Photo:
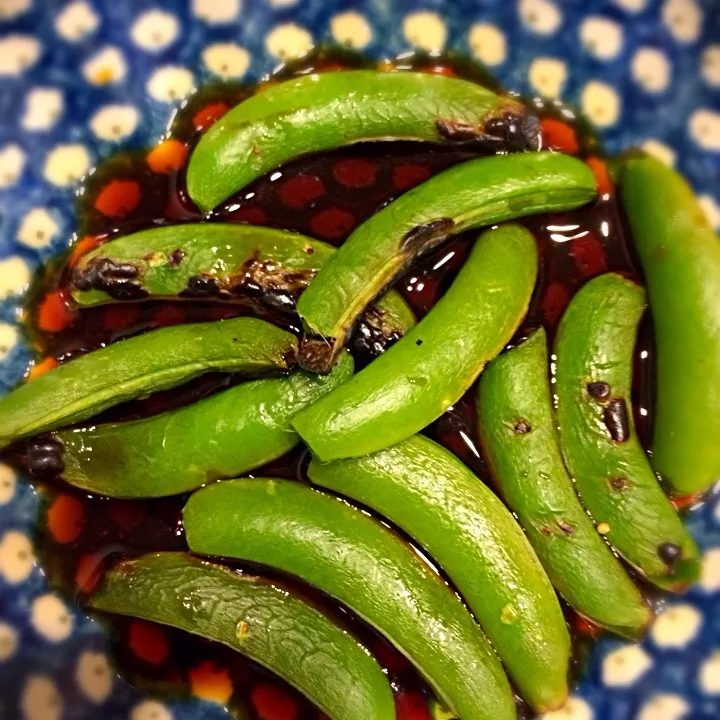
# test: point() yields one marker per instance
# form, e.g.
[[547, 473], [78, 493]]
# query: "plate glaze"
[[81, 79]]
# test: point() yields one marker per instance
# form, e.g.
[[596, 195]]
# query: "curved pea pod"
[[521, 445], [165, 358], [222, 436], [429, 369], [473, 194], [263, 622], [594, 349], [680, 256], [320, 112], [225, 262], [364, 565], [434, 498]]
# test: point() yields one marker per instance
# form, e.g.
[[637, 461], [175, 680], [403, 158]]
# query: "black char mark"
[[515, 130], [201, 286], [175, 258], [522, 427], [617, 421], [669, 553], [424, 237], [373, 333], [317, 354], [598, 390], [118, 280], [44, 456]]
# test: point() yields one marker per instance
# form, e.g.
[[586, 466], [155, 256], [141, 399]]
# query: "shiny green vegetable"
[[427, 492], [251, 615], [83, 387], [355, 559], [477, 193], [219, 261], [594, 350], [315, 112], [520, 442], [429, 369], [680, 256], [222, 436]]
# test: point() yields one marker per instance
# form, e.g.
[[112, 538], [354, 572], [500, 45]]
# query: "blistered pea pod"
[[594, 351], [266, 623], [319, 112]]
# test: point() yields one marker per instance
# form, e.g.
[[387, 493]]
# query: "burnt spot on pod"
[[200, 286], [374, 334], [44, 456], [427, 235], [545, 530], [619, 483], [566, 527], [598, 390], [454, 131], [316, 354], [515, 130], [617, 420], [669, 553], [289, 358], [118, 280], [175, 258], [522, 427], [279, 300]]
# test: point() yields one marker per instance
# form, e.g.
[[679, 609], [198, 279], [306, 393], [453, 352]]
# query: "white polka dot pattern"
[[51, 619]]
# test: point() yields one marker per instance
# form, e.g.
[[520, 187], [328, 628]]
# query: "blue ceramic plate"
[[81, 79]]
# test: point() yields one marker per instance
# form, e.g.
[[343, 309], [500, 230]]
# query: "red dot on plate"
[[209, 115], [588, 255], [355, 172], [555, 301], [412, 706], [118, 198], [168, 315], [407, 175], [301, 190], [118, 317], [65, 519], [148, 642], [333, 223], [249, 215], [273, 703]]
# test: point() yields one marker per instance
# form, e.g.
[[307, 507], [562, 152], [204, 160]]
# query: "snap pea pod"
[[222, 436], [476, 193], [323, 111], [594, 350], [218, 261], [84, 386], [680, 256], [518, 435], [251, 615], [429, 369], [355, 559], [432, 496]]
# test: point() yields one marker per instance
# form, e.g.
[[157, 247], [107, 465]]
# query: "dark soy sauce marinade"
[[325, 196]]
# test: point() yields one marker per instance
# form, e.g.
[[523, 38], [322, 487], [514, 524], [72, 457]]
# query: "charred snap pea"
[[83, 387], [518, 435], [222, 436], [251, 615], [594, 350], [429, 369], [361, 563], [433, 497], [470, 195], [680, 255], [320, 112]]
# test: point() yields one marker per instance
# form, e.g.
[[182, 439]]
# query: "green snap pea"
[[520, 441], [477, 193], [165, 358], [429, 369], [432, 496], [594, 350], [680, 256], [222, 436], [251, 615], [323, 111], [364, 565]]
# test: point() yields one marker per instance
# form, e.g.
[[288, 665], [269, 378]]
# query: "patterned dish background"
[[82, 79]]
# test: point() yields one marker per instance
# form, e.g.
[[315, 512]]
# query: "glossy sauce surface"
[[327, 197]]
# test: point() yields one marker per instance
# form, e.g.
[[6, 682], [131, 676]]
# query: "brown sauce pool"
[[325, 196]]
